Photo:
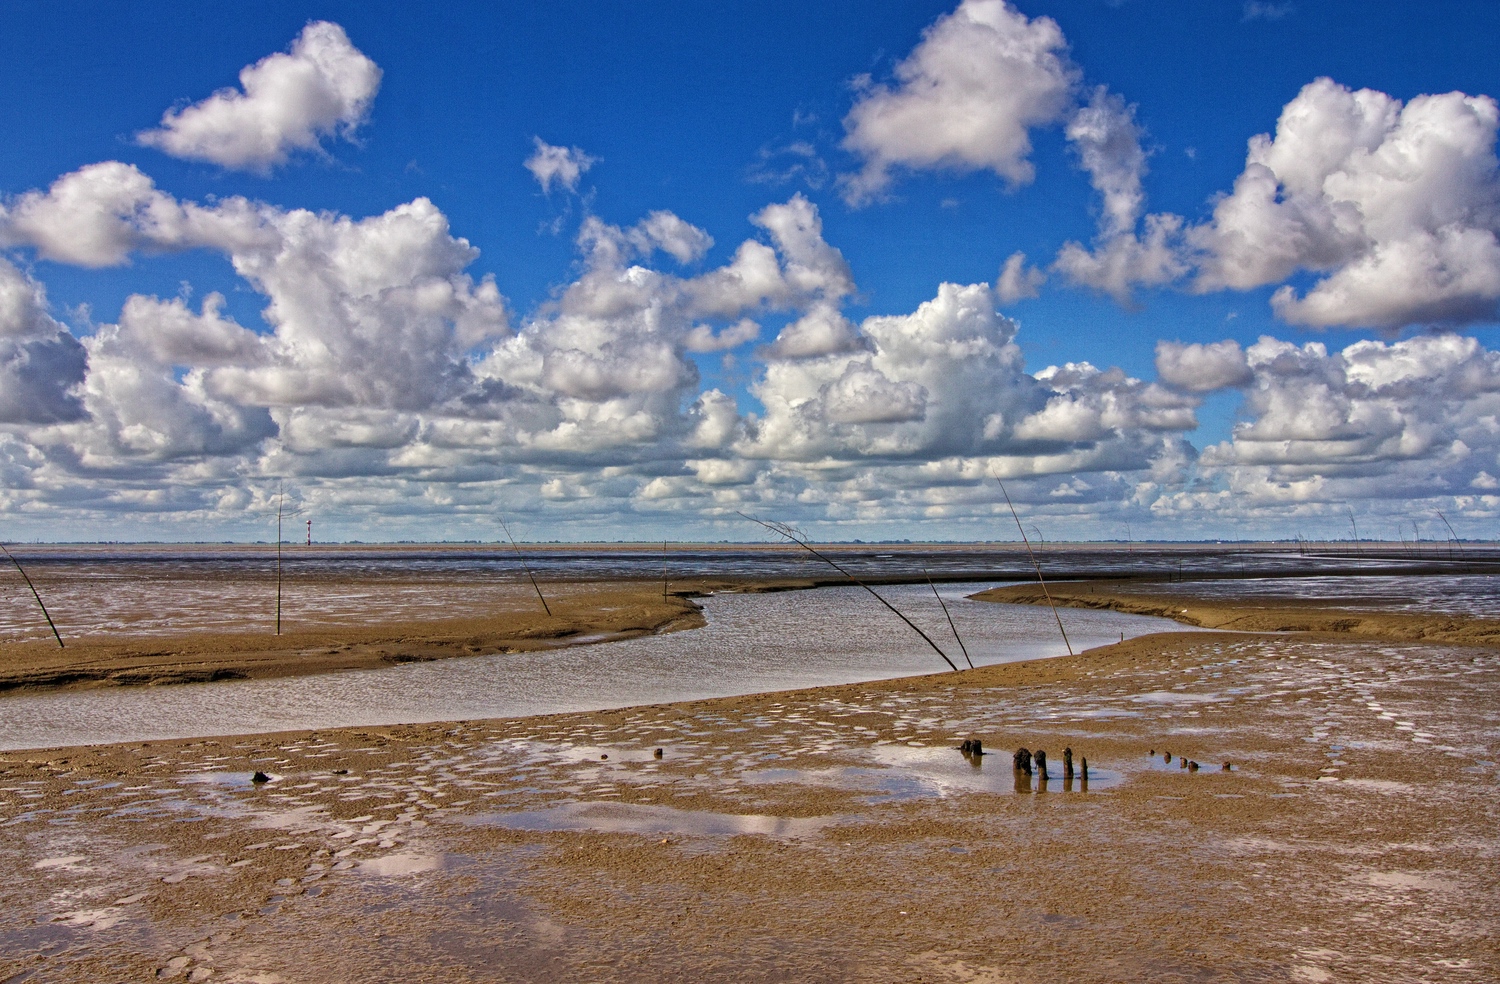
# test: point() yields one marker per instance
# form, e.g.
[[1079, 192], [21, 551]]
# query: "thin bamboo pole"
[[525, 566], [964, 649], [1038, 567], [786, 531], [280, 502], [1460, 546], [35, 595]]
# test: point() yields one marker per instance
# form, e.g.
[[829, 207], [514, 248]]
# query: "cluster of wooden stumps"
[[1186, 763], [1027, 764]]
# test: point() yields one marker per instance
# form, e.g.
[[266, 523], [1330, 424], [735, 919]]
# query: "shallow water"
[[753, 643], [1456, 594], [630, 818]]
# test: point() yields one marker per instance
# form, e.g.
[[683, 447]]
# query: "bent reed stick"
[[35, 595], [1460, 546], [962, 648], [782, 529], [525, 566], [280, 502], [1038, 567]]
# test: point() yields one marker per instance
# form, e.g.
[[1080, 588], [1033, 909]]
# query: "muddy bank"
[[833, 833], [579, 613], [1193, 603]]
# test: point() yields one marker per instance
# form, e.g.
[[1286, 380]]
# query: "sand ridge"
[[580, 613], [1195, 603]]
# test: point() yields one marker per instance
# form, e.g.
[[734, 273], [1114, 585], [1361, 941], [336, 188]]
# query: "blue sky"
[[898, 146]]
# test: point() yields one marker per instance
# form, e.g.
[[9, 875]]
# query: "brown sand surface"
[[825, 834], [509, 620], [1197, 603]]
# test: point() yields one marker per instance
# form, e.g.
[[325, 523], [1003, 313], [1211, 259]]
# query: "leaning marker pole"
[[961, 646], [786, 532], [34, 594], [525, 566], [1038, 567], [280, 500]]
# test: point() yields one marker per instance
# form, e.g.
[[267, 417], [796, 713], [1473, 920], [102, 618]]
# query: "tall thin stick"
[[964, 649], [525, 566], [280, 502], [664, 570], [786, 531], [1460, 546], [1040, 580], [1355, 527], [34, 594]]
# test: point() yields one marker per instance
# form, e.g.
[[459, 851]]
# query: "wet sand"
[[825, 834], [509, 622], [1197, 603]]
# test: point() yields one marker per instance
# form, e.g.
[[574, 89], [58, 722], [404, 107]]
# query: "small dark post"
[[1068, 763], [1022, 761], [1085, 766], [657, 753], [1040, 757]]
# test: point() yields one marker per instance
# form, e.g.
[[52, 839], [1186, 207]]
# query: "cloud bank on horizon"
[[391, 385]]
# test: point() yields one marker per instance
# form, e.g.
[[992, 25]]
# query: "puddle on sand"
[[408, 863], [903, 772], [1176, 697], [630, 818]]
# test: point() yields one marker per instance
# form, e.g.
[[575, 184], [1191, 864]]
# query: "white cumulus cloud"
[[286, 102], [1397, 206], [1200, 368], [562, 166], [964, 99], [41, 364], [1375, 420]]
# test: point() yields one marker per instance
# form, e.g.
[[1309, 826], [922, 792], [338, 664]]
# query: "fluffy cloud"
[[285, 103], [1107, 140], [1108, 143], [95, 217], [1398, 205], [1089, 404], [373, 312], [41, 364], [946, 384], [562, 166], [605, 370], [1395, 208], [1017, 281], [1125, 260], [1199, 368], [386, 381], [1414, 418], [964, 99]]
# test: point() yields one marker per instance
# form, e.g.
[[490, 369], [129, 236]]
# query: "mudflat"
[[1197, 603], [514, 622], [835, 833]]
